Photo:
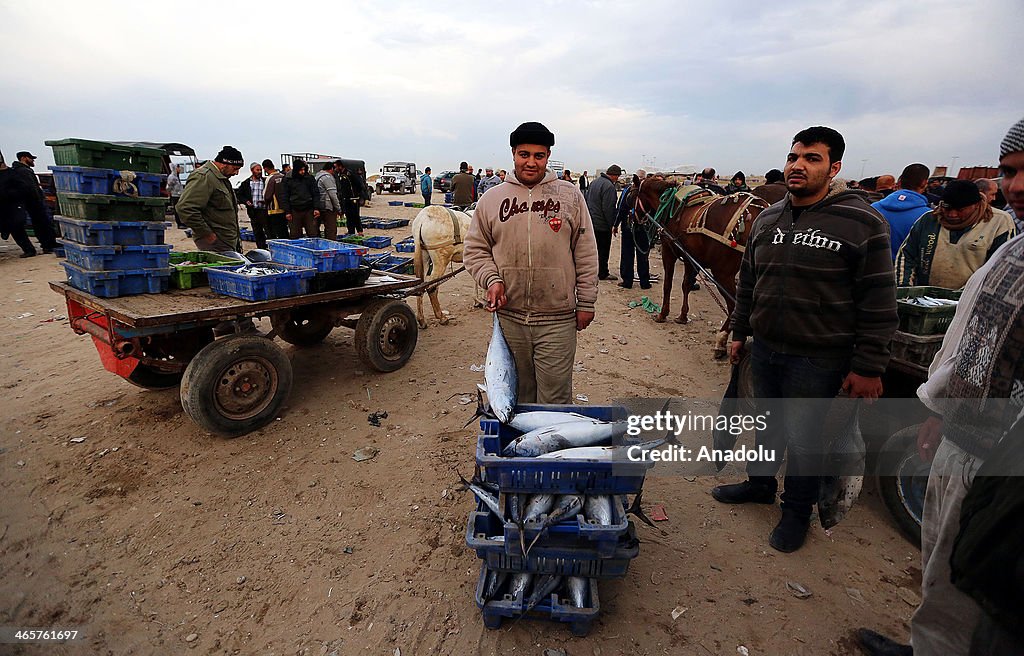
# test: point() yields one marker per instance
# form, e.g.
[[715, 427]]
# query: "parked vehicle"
[[398, 177], [443, 181]]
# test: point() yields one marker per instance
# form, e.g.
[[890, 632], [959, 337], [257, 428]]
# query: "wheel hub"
[[392, 337], [245, 388]]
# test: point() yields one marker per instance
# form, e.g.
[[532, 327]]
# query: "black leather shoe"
[[626, 285], [28, 254], [876, 644], [789, 534], [745, 492]]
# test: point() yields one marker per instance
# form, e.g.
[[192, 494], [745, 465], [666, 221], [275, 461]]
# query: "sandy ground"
[[153, 537]]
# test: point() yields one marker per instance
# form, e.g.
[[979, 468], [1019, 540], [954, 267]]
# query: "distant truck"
[[397, 177]]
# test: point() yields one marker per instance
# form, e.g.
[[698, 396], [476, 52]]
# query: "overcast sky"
[[654, 84]]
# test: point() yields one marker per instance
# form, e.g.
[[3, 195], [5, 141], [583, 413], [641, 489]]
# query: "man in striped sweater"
[[817, 294]]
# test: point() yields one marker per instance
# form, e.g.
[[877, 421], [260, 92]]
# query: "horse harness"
[[694, 196], [456, 235]]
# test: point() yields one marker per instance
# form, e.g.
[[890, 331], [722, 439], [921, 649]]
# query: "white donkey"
[[438, 234]]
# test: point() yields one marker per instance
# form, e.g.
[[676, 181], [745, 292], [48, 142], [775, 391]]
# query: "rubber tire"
[[900, 448], [205, 371], [149, 378], [316, 328], [372, 321]]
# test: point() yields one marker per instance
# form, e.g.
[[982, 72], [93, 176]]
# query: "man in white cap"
[[488, 181], [973, 390]]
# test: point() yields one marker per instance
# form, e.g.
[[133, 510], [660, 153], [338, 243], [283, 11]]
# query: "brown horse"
[[713, 229]]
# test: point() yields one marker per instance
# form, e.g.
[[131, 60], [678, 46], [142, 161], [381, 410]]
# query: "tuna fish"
[[598, 509], [537, 505], [563, 436], [542, 587], [531, 421], [578, 588], [566, 505], [502, 383], [489, 500], [493, 583], [518, 585], [602, 453]]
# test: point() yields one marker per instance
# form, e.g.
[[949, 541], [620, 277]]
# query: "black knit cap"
[[960, 193], [230, 155], [532, 132]]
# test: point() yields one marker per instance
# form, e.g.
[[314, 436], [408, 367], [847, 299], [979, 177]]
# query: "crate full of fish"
[[926, 310], [260, 281], [189, 267], [110, 284], [597, 521], [405, 246], [115, 258], [92, 180], [105, 207], [572, 600], [320, 254], [566, 556], [111, 233]]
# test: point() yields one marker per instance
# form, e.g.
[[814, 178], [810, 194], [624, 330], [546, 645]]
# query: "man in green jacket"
[[208, 205]]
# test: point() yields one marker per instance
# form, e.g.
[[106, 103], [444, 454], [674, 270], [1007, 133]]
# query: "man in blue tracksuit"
[[903, 207], [426, 186]]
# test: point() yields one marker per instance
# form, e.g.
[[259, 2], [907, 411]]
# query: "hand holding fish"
[[583, 319], [736, 351], [496, 297], [868, 388]]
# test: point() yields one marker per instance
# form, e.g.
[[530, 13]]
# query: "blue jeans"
[[426, 199], [635, 245], [783, 386]]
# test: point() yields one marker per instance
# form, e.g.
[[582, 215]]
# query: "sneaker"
[[655, 277], [877, 644], [745, 492], [789, 534]]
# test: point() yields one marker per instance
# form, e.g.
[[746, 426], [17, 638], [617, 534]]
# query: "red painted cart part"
[[122, 366]]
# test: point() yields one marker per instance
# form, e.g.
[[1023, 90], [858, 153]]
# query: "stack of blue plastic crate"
[[572, 547], [112, 223]]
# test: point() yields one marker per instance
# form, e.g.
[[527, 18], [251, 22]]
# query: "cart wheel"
[[386, 334], [902, 479], [151, 378], [236, 384], [302, 327]]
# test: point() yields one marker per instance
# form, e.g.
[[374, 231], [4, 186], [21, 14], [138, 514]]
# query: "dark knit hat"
[[1013, 142], [960, 193], [614, 169], [230, 155], [531, 132]]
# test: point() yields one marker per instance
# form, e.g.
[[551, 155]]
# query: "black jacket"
[[299, 193], [821, 286], [18, 196]]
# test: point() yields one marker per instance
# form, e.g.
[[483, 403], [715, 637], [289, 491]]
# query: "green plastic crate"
[[106, 155], [98, 207], [194, 275], [918, 320]]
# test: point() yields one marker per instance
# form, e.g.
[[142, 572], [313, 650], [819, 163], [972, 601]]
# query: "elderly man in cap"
[[208, 204], [601, 203], [41, 223], [947, 245], [973, 391], [488, 181], [531, 246]]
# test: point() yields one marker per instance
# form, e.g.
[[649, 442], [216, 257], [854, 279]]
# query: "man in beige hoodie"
[[531, 246]]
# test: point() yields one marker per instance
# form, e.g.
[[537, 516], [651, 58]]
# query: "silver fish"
[[493, 583], [566, 505], [578, 588], [542, 587], [502, 382], [839, 488], [515, 507], [598, 509], [563, 436], [601, 453], [490, 500], [537, 505], [518, 585], [531, 421]]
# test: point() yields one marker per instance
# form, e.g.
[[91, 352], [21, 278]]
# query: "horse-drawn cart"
[[233, 378]]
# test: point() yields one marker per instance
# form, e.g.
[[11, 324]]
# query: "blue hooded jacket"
[[901, 209]]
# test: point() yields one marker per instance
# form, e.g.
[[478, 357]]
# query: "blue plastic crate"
[[533, 475], [485, 535], [109, 284], [395, 203], [388, 224], [292, 281], [116, 258], [604, 539], [112, 233], [89, 180], [553, 609], [377, 242], [405, 246], [245, 234], [375, 260], [396, 264], [449, 197], [320, 254]]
